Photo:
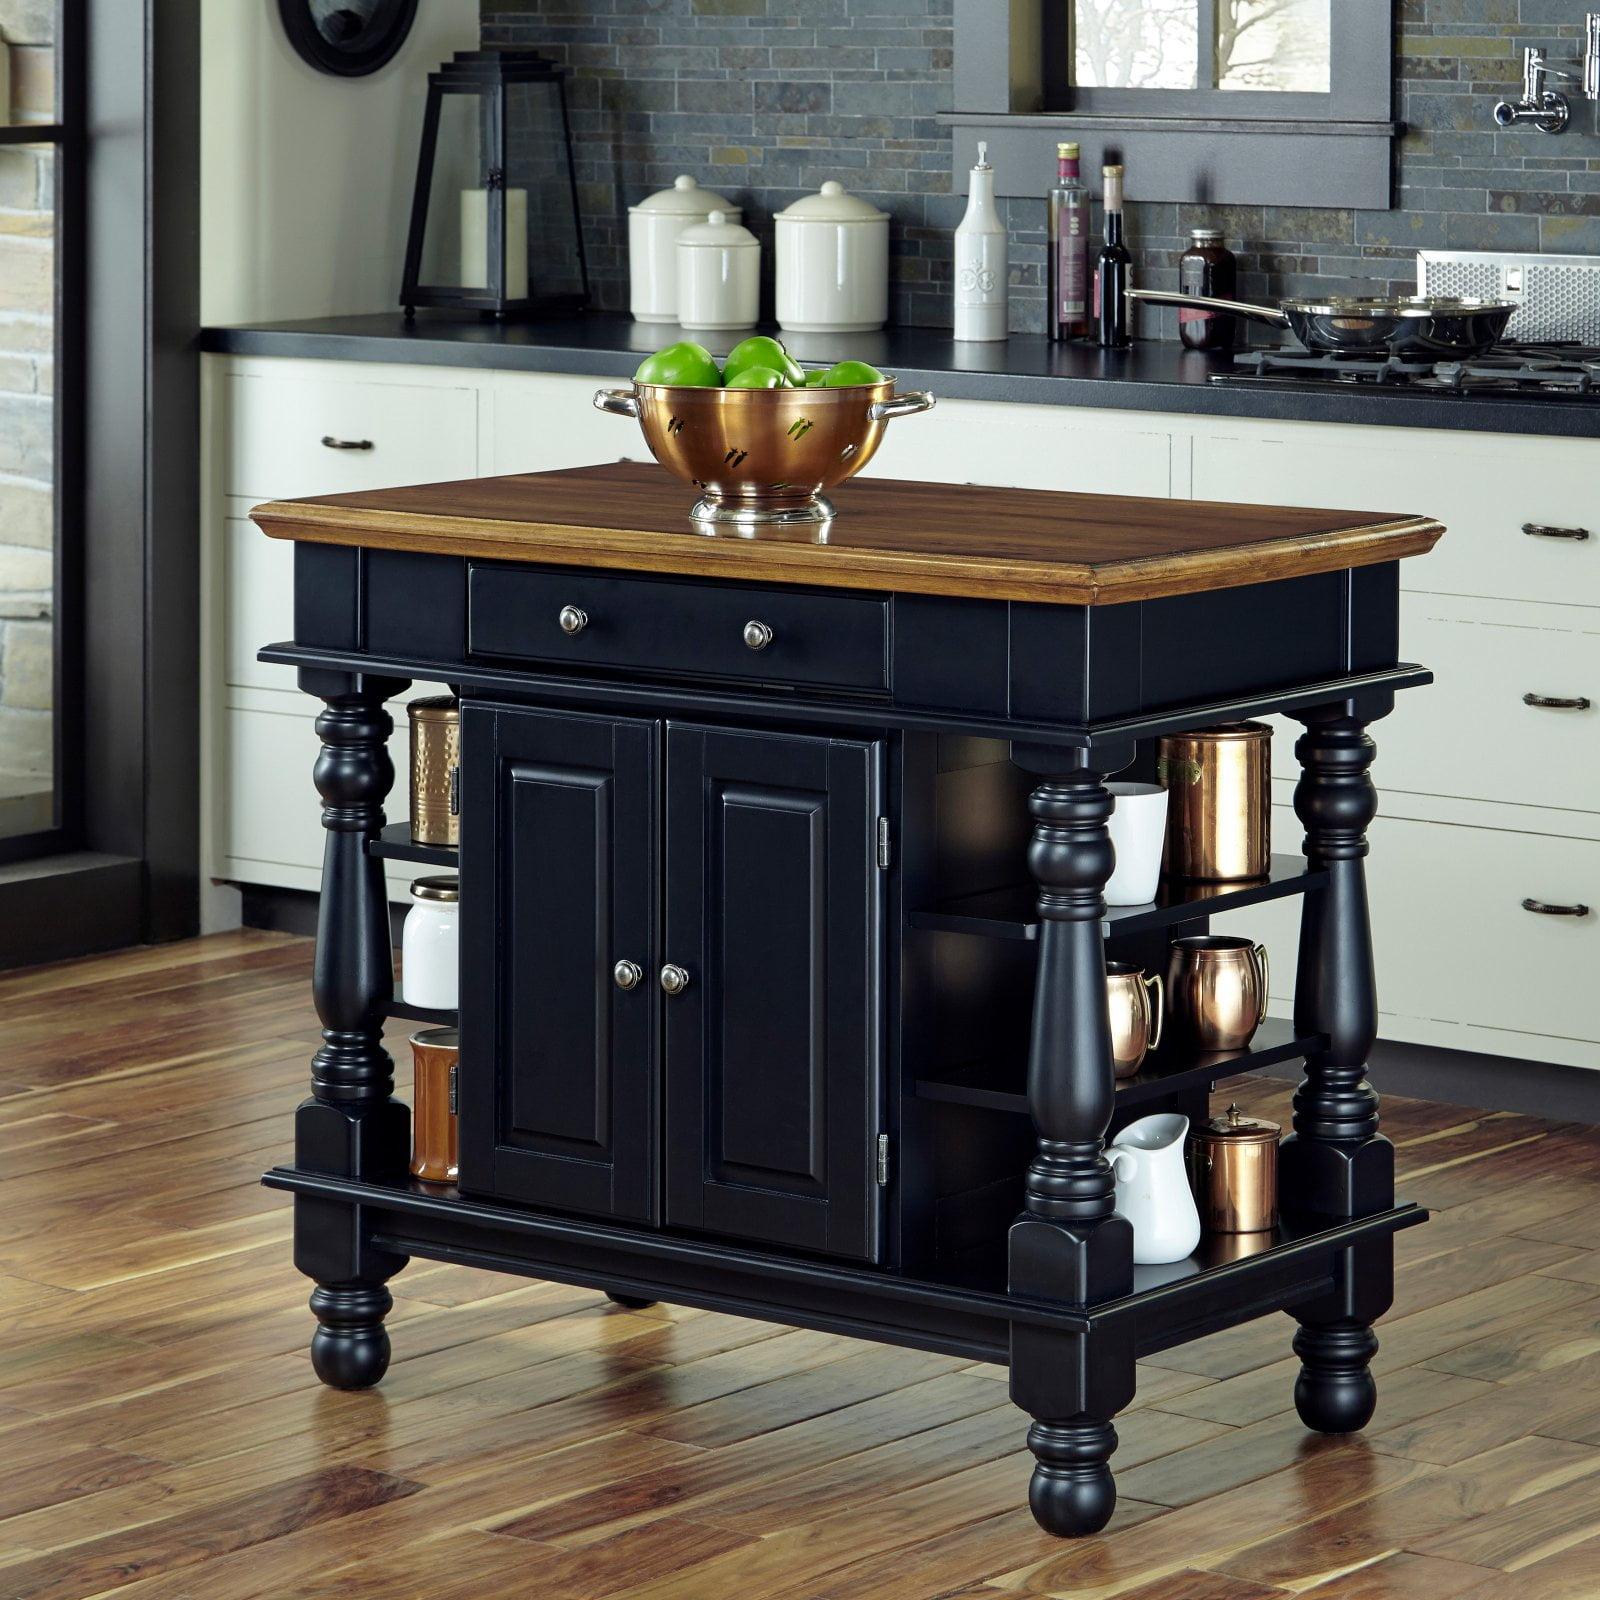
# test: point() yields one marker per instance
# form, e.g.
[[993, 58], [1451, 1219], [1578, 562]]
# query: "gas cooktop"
[[1539, 371]]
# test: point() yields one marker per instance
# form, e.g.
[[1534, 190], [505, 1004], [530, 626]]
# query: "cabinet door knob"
[[626, 974], [573, 620], [1558, 702], [1543, 530], [1543, 908], [674, 979], [757, 635]]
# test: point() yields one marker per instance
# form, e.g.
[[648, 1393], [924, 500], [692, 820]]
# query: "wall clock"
[[347, 37]]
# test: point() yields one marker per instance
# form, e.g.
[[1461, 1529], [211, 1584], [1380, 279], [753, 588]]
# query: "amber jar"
[[1208, 267], [434, 1053]]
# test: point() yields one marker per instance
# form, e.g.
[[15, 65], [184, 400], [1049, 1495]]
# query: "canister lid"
[[441, 888], [435, 708], [834, 203], [437, 1038], [685, 199], [1206, 235], [719, 231], [1232, 1126]]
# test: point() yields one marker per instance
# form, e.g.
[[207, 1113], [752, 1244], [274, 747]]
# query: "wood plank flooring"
[[162, 1437]]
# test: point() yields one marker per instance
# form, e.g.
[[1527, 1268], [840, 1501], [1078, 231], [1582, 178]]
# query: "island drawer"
[[583, 618]]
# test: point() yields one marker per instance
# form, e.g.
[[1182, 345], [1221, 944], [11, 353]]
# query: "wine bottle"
[[1113, 266], [1067, 247]]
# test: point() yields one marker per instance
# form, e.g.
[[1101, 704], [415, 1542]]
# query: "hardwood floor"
[[161, 1434]]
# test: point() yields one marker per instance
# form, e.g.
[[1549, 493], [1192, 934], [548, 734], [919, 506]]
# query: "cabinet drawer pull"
[[1543, 530], [1545, 909], [757, 635], [573, 620], [1556, 702], [626, 974], [345, 444], [674, 979]]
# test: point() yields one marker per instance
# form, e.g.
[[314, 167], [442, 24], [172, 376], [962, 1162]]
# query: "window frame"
[[1213, 146]]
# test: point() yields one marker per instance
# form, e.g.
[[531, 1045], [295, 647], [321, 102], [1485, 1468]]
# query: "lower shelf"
[[998, 1086], [439, 1019], [1225, 1283]]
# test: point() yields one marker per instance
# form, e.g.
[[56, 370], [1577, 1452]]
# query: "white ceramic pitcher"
[[1153, 1188]]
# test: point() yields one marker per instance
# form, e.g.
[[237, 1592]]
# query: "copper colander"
[[762, 455]]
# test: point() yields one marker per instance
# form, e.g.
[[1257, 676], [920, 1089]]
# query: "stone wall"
[[27, 338], [762, 99]]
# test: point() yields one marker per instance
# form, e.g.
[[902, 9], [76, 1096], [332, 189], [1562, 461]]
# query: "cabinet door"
[[559, 1100], [772, 1051]]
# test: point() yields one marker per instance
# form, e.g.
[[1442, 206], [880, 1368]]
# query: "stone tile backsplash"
[[764, 99]]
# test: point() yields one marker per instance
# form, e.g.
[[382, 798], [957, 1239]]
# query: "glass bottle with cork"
[[1112, 270], [1067, 250]]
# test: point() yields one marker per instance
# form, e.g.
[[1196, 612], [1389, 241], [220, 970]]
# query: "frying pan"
[[1417, 325]]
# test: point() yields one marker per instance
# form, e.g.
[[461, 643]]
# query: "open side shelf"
[[1001, 1086], [1228, 1281], [1009, 913], [396, 844]]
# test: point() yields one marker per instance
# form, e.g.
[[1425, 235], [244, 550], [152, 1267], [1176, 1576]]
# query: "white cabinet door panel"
[[543, 422], [258, 586], [1483, 488], [277, 424]]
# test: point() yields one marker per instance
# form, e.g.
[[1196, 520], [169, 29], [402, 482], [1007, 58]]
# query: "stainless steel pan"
[[1418, 326]]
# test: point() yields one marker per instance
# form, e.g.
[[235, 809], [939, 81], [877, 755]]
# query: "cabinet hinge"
[[883, 844], [881, 1172], [455, 1071], [455, 790]]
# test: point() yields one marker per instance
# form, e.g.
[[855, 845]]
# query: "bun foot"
[[1335, 1392], [1072, 1492], [629, 1302], [350, 1349]]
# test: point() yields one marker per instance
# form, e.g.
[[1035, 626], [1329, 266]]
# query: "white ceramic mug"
[[1153, 1190], [1138, 831]]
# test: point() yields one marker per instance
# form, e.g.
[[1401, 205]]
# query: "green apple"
[[758, 378], [761, 350], [685, 365], [816, 377], [851, 374]]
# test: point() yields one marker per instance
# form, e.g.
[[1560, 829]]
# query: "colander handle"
[[902, 405], [619, 402]]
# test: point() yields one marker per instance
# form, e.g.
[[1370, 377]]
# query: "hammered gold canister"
[[1234, 1164], [436, 770], [1219, 811]]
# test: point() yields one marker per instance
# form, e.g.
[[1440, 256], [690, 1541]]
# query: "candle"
[[475, 241]]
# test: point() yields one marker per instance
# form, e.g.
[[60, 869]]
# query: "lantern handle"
[[619, 402]]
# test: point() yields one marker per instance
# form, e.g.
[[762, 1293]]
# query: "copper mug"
[[1137, 1012], [1217, 989]]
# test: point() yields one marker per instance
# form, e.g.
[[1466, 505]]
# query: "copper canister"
[[434, 1053], [1234, 1164], [1219, 814], [436, 770]]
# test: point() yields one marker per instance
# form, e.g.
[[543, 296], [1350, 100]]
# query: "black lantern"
[[494, 223]]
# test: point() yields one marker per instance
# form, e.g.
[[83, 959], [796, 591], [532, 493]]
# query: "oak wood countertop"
[[889, 535]]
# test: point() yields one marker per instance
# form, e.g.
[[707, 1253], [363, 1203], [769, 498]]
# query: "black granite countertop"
[[1026, 367]]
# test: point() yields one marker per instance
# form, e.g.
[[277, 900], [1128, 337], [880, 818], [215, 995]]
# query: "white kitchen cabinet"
[[543, 421]]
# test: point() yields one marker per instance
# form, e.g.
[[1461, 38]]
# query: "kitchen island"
[[842, 799]]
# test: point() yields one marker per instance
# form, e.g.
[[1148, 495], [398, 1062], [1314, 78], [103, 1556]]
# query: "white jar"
[[653, 229], [833, 264], [429, 945], [719, 275]]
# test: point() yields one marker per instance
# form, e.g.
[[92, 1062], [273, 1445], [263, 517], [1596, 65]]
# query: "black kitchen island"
[[868, 1084]]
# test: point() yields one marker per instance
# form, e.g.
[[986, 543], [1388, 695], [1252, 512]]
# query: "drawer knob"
[[626, 974], [1556, 702], [757, 635], [674, 980], [345, 444], [573, 620], [1543, 908], [1543, 530]]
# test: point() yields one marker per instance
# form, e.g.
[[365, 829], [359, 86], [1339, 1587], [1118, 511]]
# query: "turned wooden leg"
[[1335, 1162], [1069, 1244], [351, 1126]]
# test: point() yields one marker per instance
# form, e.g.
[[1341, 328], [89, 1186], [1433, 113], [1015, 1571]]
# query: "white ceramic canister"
[[719, 275], [833, 263], [429, 944], [653, 229]]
